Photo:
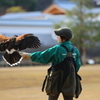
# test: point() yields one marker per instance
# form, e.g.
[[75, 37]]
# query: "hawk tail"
[[12, 59]]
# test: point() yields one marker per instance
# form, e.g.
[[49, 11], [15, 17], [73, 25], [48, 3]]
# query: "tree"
[[85, 27], [4, 4], [15, 9], [28, 5]]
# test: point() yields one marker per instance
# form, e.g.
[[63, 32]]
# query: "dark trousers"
[[56, 97]]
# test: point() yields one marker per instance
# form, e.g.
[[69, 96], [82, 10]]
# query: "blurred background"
[[41, 17]]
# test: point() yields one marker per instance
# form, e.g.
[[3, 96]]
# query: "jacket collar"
[[66, 42]]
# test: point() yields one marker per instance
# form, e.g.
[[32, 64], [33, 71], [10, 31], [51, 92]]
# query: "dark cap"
[[65, 32]]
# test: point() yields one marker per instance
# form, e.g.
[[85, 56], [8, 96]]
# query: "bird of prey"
[[12, 45]]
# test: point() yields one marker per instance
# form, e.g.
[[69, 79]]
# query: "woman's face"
[[59, 40]]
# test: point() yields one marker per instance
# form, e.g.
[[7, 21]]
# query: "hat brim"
[[57, 32]]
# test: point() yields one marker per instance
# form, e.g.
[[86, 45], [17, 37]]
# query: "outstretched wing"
[[27, 41], [3, 38], [4, 42]]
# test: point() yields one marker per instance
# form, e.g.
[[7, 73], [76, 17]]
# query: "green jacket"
[[56, 54]]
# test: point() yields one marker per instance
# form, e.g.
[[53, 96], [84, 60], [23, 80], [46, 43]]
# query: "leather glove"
[[24, 55]]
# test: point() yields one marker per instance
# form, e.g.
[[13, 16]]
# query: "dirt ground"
[[24, 83]]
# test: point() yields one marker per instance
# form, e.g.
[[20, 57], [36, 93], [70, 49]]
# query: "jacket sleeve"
[[44, 56], [78, 61]]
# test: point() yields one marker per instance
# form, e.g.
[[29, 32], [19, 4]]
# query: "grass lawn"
[[24, 83]]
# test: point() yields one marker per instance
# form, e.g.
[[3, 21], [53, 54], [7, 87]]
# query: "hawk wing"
[[4, 42], [3, 38], [27, 41]]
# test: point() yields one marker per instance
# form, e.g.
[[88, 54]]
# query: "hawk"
[[12, 45]]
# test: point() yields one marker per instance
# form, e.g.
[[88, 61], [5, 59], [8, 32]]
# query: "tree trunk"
[[83, 55]]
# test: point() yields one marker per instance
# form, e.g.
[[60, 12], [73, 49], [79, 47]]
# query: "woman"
[[56, 54]]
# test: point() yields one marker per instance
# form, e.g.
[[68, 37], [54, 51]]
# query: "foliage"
[[6, 3], [28, 5], [15, 9]]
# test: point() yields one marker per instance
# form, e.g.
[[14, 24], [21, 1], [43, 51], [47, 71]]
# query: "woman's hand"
[[24, 55]]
